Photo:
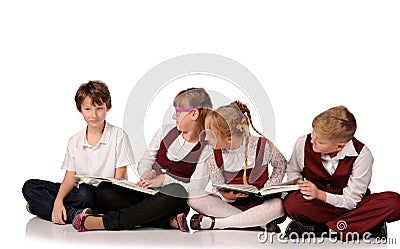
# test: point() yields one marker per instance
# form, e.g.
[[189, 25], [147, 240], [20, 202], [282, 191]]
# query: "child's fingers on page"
[[141, 183], [146, 185]]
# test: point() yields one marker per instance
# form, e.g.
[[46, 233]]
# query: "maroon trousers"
[[372, 210]]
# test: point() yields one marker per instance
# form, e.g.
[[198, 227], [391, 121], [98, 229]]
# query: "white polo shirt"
[[111, 152]]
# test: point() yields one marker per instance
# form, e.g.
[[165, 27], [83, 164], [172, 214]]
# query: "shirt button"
[[328, 185]]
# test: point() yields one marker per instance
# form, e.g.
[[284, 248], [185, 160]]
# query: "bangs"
[[214, 119], [97, 100]]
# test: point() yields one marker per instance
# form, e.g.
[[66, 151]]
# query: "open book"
[[250, 189], [120, 182]]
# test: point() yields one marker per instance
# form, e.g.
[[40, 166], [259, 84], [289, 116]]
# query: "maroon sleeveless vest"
[[256, 176], [180, 170], [315, 172]]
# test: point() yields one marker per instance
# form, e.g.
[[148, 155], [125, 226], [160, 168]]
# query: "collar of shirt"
[[238, 150], [234, 159], [180, 148], [105, 137], [348, 150]]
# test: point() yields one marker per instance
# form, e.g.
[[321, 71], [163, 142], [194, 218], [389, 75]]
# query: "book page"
[[277, 189], [120, 182], [237, 187], [133, 186]]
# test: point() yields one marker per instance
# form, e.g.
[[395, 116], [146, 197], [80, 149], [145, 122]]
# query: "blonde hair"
[[195, 98], [335, 123], [234, 120]]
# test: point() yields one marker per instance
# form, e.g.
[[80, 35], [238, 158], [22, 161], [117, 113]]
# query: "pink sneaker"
[[181, 220], [79, 221]]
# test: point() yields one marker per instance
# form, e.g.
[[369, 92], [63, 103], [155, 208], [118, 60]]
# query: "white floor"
[[45, 234]]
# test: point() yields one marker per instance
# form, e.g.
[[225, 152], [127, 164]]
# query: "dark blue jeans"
[[40, 194]]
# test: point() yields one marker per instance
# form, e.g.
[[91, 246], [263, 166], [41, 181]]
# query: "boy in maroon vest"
[[337, 170]]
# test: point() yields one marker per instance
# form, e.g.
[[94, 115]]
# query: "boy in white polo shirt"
[[101, 149]]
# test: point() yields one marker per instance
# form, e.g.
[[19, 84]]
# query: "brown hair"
[[234, 120], [94, 89], [335, 123], [194, 98]]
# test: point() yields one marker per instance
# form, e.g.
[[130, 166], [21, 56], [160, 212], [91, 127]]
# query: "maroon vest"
[[180, 170], [256, 176], [316, 173]]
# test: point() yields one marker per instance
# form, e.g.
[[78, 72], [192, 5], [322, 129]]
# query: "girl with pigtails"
[[238, 158]]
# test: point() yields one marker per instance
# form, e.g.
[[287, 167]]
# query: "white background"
[[309, 56]]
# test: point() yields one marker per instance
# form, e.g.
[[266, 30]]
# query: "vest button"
[[328, 185]]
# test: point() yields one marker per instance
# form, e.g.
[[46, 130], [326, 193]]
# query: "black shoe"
[[273, 227], [281, 219], [195, 222], [297, 230], [379, 231]]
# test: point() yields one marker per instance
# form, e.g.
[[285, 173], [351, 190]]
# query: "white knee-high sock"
[[256, 216], [210, 205], [228, 216]]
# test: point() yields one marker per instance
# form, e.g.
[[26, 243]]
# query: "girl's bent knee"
[[197, 193], [174, 190]]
